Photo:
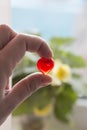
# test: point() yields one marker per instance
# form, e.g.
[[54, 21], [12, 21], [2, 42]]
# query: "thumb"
[[30, 84], [24, 89]]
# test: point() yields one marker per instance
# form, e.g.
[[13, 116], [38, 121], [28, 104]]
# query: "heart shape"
[[45, 65]]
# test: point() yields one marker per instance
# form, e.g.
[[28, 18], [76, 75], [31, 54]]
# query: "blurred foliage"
[[60, 41], [64, 102], [67, 57], [62, 96]]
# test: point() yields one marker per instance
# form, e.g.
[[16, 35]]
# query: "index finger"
[[16, 48]]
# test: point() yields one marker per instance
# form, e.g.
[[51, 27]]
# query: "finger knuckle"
[[20, 36]]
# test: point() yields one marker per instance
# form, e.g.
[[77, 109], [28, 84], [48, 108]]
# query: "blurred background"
[[63, 104], [64, 25]]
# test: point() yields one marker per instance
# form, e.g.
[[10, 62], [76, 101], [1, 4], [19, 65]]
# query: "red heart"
[[45, 65]]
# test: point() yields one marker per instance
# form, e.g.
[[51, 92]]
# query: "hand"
[[12, 49]]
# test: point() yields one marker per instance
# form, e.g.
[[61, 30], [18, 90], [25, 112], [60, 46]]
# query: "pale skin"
[[12, 49]]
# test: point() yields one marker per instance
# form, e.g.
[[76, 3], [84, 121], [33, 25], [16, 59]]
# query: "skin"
[[12, 49]]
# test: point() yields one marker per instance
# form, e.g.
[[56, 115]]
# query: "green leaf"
[[67, 57], [39, 99], [64, 103], [74, 60], [60, 41], [71, 59]]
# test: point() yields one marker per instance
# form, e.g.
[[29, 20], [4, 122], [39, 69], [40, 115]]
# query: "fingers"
[[17, 47], [6, 34], [22, 90]]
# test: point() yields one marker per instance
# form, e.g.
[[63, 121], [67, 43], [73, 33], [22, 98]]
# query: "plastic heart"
[[45, 65]]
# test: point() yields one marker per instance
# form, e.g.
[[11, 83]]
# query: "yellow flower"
[[63, 72], [60, 73], [44, 111]]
